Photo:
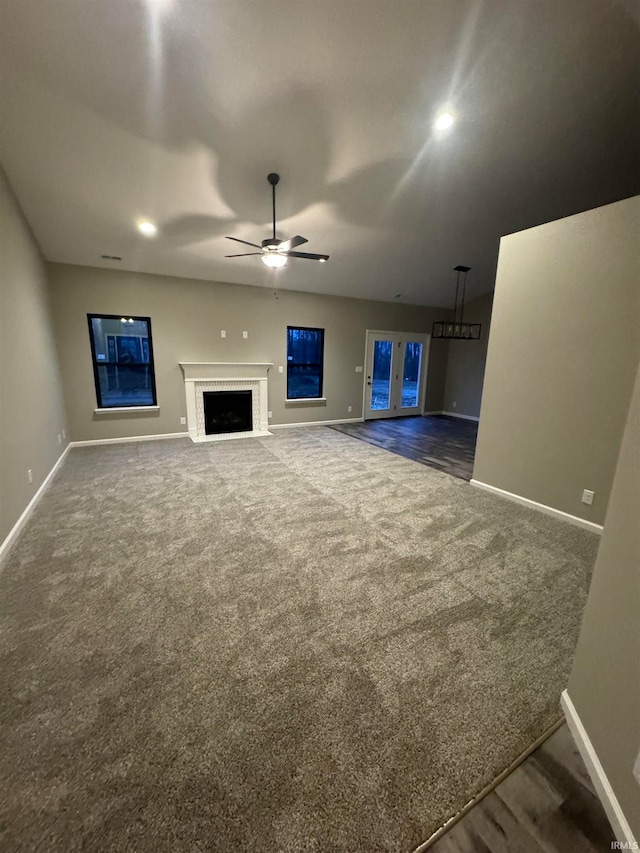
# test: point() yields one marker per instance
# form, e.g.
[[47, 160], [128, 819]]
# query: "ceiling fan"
[[275, 252]]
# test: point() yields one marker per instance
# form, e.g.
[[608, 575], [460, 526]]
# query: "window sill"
[[306, 400], [119, 410]]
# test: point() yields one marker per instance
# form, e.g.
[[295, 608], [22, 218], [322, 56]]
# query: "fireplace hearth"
[[227, 411]]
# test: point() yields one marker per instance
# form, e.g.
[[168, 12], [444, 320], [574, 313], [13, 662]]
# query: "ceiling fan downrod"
[[273, 179]]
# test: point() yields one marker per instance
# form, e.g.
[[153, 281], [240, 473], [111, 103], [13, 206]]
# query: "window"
[[305, 354], [122, 355]]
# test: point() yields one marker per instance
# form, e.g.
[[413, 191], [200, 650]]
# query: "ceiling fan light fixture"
[[274, 260]]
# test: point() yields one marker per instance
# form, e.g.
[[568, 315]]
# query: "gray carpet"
[[296, 643]]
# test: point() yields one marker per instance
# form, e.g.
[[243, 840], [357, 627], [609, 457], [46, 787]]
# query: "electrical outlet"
[[587, 497], [269, 414], [223, 334], [349, 408], [30, 475], [59, 439], [359, 368], [245, 335], [454, 404], [183, 421]]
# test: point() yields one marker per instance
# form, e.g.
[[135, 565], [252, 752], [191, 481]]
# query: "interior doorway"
[[395, 374]]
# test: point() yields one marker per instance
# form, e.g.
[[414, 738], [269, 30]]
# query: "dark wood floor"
[[445, 443], [547, 805]]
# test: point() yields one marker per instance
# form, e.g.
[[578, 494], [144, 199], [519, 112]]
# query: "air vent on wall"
[[111, 257]]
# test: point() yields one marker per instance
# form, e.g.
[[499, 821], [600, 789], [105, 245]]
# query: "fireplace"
[[227, 411], [243, 414]]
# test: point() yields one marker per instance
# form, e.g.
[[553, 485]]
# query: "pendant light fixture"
[[457, 329]]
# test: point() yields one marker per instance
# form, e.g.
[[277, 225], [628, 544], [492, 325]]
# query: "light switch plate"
[[245, 335], [223, 334], [280, 369], [359, 369]]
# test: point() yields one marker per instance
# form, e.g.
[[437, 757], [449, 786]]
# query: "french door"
[[396, 369]]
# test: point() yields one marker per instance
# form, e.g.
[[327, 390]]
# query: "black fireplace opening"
[[227, 411]]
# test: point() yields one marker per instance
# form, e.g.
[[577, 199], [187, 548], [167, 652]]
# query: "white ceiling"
[[176, 110]]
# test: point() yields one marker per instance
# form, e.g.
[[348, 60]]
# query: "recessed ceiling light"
[[444, 121], [147, 228]]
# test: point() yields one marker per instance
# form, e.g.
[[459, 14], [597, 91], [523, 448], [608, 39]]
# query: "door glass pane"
[[381, 376], [411, 374]]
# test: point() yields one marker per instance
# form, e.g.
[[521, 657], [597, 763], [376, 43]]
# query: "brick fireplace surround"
[[201, 376]]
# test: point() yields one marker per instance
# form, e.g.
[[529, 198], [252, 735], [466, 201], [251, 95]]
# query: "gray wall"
[[186, 318], [605, 683], [466, 362], [31, 404], [563, 349]]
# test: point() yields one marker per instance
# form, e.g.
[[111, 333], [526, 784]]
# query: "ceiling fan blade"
[[243, 255], [306, 255], [287, 245], [238, 240]]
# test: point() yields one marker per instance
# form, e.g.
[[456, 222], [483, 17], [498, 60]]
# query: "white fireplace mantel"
[[202, 376], [211, 371]]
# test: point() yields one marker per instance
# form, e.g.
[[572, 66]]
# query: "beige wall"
[[466, 362], [31, 406], [186, 318], [605, 683], [563, 348]]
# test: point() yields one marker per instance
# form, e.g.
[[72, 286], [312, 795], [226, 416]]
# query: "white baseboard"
[[454, 415], [618, 821], [318, 423], [549, 510], [20, 523], [462, 417], [128, 438]]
